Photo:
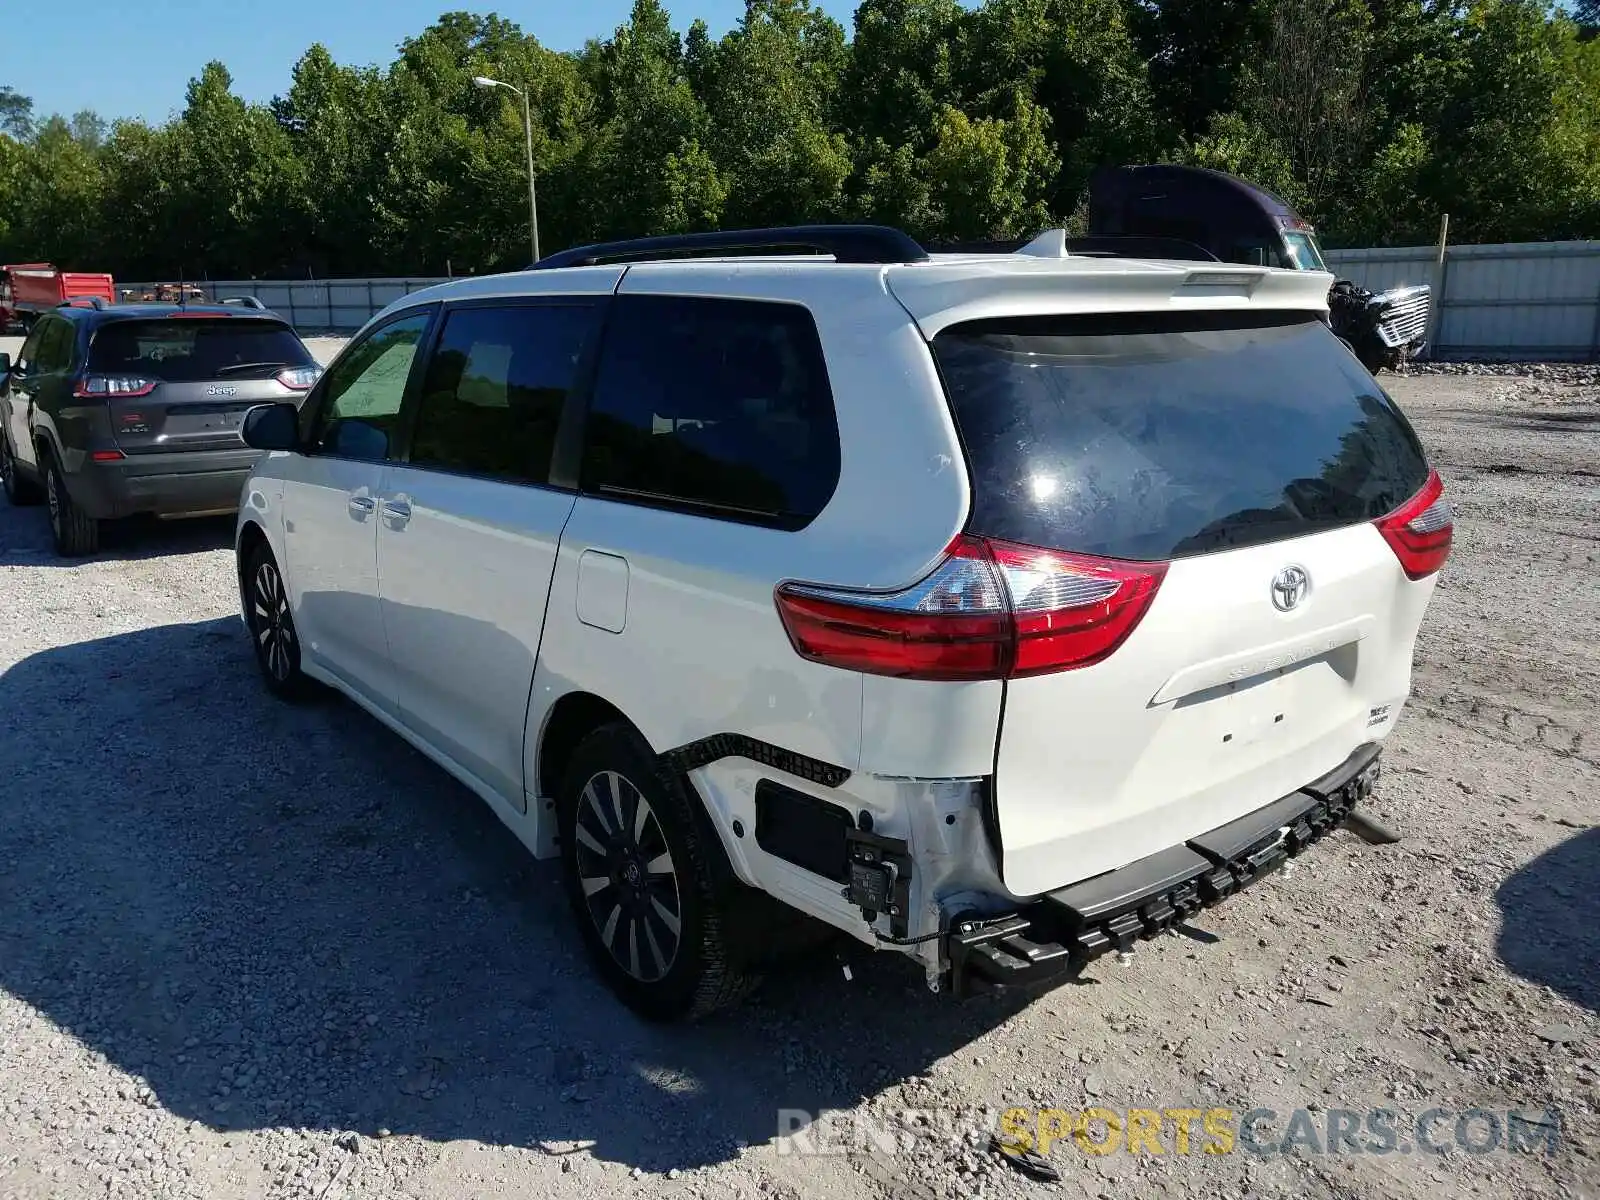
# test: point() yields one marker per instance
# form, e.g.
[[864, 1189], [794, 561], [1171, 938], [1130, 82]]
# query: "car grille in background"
[[1405, 315]]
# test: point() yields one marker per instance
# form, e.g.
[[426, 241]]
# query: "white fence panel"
[[315, 305], [1521, 300], [1527, 300]]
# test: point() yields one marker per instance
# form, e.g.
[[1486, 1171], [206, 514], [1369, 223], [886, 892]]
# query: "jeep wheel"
[[75, 533], [271, 623], [641, 883], [19, 491]]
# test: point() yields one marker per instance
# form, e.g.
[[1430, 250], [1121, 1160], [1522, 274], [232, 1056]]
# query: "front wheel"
[[641, 882], [271, 624]]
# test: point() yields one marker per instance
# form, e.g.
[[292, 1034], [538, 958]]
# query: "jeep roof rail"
[[847, 244]]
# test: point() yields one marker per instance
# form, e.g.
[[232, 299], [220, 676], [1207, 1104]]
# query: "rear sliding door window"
[[495, 388], [1165, 436], [716, 406], [189, 349]]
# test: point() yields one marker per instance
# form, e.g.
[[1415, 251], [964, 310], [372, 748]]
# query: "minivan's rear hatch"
[[185, 382], [1218, 536]]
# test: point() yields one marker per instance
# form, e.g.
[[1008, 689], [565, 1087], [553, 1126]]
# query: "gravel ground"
[[248, 950]]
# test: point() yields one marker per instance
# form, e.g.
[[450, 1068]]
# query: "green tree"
[[16, 113], [647, 168], [1077, 61], [1198, 51], [773, 84]]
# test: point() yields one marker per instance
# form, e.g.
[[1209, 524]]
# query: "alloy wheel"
[[626, 872], [52, 488], [269, 615]]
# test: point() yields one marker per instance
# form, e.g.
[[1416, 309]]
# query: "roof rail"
[[847, 244], [246, 301], [99, 302]]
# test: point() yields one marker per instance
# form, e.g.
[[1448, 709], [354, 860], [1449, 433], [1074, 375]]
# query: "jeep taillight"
[[299, 379], [114, 387], [1420, 530], [990, 610]]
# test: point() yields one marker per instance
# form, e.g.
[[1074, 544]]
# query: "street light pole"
[[527, 133], [533, 196]]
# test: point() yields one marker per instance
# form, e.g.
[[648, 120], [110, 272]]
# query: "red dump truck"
[[28, 289]]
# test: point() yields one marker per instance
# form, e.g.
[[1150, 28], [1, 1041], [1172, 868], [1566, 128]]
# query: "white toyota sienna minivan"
[[996, 609]]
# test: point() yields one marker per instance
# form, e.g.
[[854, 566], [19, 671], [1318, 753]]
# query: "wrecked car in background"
[[1233, 220]]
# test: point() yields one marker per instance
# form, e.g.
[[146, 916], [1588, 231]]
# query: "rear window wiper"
[[232, 367]]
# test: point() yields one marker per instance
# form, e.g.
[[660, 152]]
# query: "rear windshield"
[[1164, 436], [185, 349]]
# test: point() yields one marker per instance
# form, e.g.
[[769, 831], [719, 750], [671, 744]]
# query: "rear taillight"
[[299, 379], [990, 610], [112, 387], [1420, 530]]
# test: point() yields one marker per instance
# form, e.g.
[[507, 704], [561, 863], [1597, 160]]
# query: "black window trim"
[[311, 412], [788, 522], [567, 453]]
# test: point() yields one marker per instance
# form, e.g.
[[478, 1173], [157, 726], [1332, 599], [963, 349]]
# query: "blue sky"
[[133, 58]]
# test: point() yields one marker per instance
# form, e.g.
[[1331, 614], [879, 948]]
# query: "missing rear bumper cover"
[[1061, 933]]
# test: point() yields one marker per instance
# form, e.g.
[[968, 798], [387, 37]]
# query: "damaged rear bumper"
[[1057, 935]]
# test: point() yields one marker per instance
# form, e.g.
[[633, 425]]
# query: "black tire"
[[271, 623], [75, 532], [632, 874], [19, 491]]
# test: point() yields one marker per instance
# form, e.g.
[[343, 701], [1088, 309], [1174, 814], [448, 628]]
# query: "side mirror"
[[272, 427], [5, 363]]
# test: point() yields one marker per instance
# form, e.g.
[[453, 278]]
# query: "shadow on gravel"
[[1550, 930], [284, 916], [25, 538], [1548, 420]]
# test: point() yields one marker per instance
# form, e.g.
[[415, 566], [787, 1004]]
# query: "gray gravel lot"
[[249, 950]]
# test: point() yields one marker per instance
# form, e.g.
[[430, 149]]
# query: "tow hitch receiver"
[[1060, 933]]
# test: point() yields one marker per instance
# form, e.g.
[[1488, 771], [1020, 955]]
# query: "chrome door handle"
[[397, 511], [362, 506]]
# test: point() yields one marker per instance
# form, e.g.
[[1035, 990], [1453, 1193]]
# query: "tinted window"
[[360, 405], [56, 340], [186, 349], [716, 404], [1171, 437], [28, 356], [492, 398]]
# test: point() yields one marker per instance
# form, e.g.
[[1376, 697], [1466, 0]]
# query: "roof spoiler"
[[1054, 243]]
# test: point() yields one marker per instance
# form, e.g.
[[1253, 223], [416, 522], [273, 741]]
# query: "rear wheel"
[[19, 491], [74, 531], [271, 625], [641, 882]]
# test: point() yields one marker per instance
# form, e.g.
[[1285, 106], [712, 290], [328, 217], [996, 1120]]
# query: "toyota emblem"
[[1289, 587]]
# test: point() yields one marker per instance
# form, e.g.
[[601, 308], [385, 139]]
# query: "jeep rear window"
[[182, 350], [1158, 437]]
